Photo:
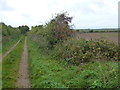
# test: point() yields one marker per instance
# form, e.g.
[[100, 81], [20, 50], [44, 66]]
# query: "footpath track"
[[23, 73], [11, 49]]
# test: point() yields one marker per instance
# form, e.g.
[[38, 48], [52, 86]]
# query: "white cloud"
[[86, 13]]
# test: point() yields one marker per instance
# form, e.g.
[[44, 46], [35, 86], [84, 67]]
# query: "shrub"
[[82, 51], [58, 29], [55, 31]]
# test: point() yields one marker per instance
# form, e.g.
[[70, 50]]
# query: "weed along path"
[[4, 55], [23, 74]]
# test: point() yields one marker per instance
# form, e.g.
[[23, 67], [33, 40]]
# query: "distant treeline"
[[8, 30], [96, 30]]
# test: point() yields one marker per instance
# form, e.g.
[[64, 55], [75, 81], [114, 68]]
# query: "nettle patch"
[[81, 51]]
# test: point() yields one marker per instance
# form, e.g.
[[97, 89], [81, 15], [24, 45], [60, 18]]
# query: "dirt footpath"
[[23, 74]]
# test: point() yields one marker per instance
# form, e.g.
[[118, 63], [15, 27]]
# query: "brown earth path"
[[23, 74], [4, 55]]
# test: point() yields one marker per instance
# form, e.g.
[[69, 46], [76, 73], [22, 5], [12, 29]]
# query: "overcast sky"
[[85, 13]]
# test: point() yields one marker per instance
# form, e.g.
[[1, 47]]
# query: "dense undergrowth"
[[59, 39], [47, 72], [10, 65], [58, 59], [81, 51]]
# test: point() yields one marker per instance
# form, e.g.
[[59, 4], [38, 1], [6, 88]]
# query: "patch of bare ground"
[[23, 74], [110, 36]]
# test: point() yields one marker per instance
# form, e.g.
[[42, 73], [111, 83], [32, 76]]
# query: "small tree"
[[58, 29]]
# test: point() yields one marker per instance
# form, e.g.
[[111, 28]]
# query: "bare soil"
[[23, 74], [110, 36]]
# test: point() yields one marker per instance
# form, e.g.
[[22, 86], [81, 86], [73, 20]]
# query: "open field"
[[110, 36]]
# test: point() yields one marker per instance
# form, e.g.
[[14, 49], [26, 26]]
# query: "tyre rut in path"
[[4, 55], [23, 74]]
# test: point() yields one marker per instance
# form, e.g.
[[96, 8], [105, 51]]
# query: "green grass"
[[10, 66], [8, 42], [48, 73]]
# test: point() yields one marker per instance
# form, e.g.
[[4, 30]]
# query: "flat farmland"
[[110, 36]]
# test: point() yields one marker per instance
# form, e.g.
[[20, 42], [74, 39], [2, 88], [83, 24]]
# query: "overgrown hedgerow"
[[55, 73], [55, 31], [52, 71], [81, 51], [57, 36]]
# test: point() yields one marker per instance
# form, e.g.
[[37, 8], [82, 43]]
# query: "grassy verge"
[[10, 66], [8, 42], [48, 73]]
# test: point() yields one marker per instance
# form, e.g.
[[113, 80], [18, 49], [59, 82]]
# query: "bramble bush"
[[82, 51], [96, 75]]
